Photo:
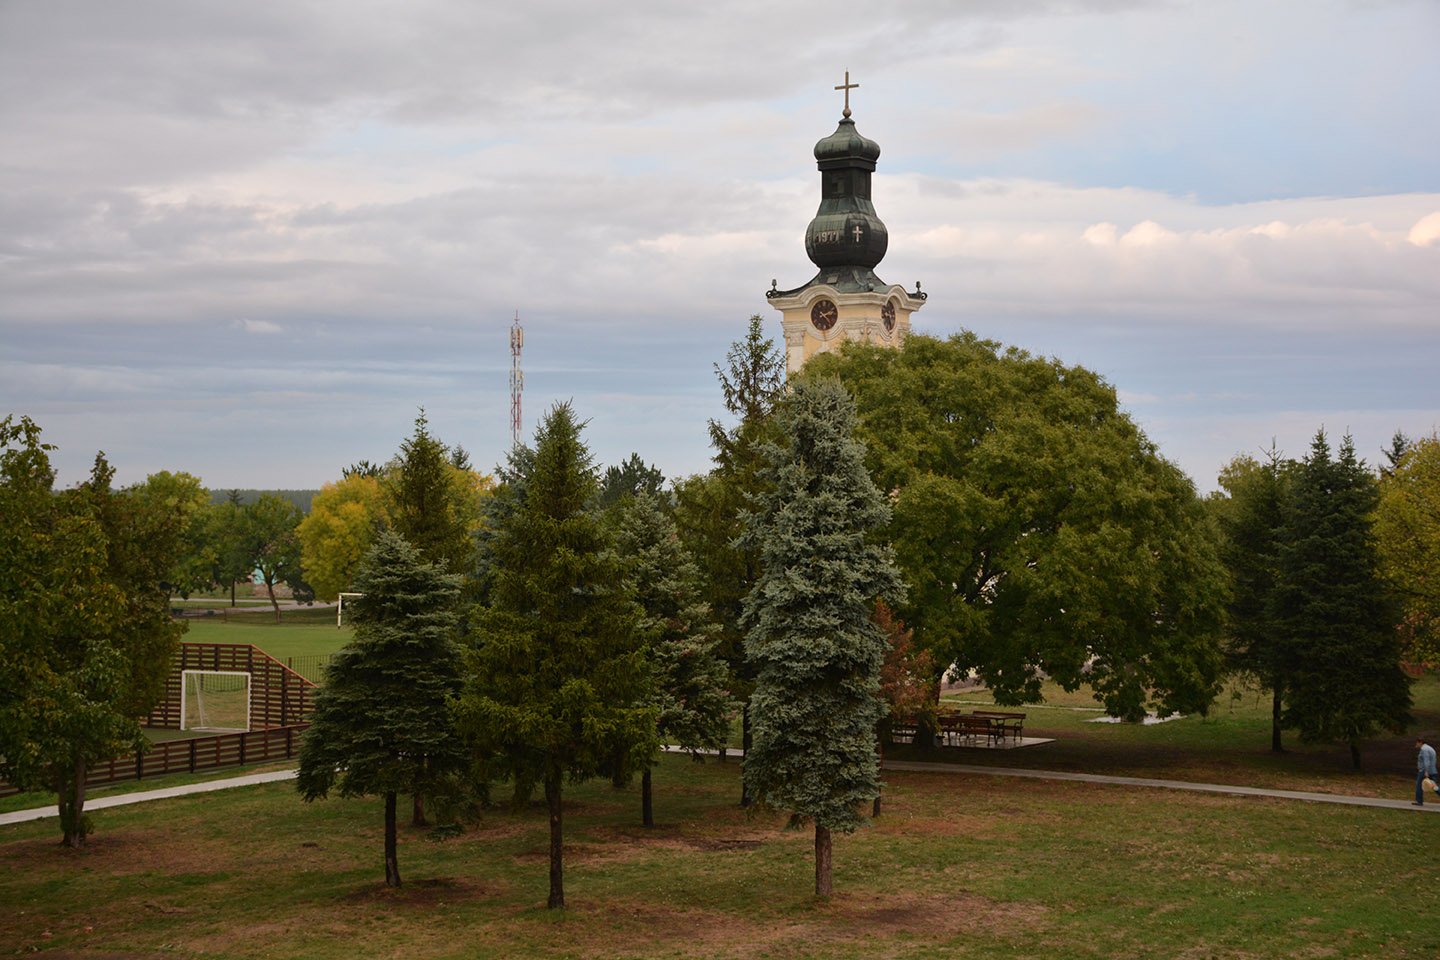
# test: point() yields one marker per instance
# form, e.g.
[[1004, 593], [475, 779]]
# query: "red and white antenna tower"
[[517, 378]]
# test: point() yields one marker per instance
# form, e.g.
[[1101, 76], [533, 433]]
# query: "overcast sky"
[[249, 240]]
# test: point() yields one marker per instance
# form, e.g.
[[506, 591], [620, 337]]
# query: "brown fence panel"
[[194, 756], [279, 697]]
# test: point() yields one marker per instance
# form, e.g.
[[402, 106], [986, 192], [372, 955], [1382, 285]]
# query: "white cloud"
[[1426, 231], [259, 326]]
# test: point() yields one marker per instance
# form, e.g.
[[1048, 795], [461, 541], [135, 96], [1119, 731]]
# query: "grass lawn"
[[1231, 745], [290, 638], [959, 866]]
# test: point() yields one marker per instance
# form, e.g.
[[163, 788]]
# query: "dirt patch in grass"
[[426, 893], [120, 852], [845, 919]]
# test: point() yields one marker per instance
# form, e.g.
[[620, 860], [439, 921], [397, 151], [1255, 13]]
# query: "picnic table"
[[988, 727]]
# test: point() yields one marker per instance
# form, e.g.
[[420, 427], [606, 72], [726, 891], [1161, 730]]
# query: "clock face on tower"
[[887, 314], [823, 315]]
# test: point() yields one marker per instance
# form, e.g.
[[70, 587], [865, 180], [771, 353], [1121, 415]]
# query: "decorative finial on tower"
[[847, 87]]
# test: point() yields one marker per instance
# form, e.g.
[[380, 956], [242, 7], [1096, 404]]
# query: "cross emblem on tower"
[[847, 86]]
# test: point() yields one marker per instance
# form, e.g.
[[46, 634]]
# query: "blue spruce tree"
[[811, 641]]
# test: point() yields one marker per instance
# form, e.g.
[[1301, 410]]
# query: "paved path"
[[120, 799], [1161, 784], [100, 803]]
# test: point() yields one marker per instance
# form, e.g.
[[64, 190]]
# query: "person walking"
[[1424, 767]]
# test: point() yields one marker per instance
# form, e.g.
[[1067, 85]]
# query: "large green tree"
[[273, 543], [629, 479], [85, 640], [694, 707], [1251, 516], [816, 651], [432, 499], [382, 722], [1334, 617], [1407, 531], [1040, 532], [184, 494], [557, 679], [710, 508]]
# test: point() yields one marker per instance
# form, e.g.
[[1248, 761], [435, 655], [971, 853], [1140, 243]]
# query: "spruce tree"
[[1250, 549], [382, 724], [694, 706], [815, 649], [557, 681], [423, 499], [710, 508], [432, 505], [1332, 612]]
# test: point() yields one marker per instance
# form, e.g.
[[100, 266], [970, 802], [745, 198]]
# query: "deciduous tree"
[[1040, 532], [382, 722], [183, 494], [85, 640], [907, 688], [1407, 531], [343, 521], [811, 641], [273, 544]]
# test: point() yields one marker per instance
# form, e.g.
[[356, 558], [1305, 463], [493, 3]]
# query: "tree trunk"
[[557, 844], [823, 886], [1355, 754], [647, 806], [232, 592], [417, 811], [745, 736], [270, 588], [71, 791], [1275, 746], [880, 762], [392, 858]]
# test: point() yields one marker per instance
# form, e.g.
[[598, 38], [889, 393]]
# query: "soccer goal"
[[215, 700]]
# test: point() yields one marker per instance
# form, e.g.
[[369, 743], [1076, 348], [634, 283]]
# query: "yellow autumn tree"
[[342, 524]]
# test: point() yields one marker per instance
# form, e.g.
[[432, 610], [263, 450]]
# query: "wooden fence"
[[280, 702], [279, 697], [193, 756]]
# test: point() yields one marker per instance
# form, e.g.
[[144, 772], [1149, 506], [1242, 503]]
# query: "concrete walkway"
[[120, 799], [100, 803], [1431, 807]]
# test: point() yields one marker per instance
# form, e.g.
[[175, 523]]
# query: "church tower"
[[846, 240]]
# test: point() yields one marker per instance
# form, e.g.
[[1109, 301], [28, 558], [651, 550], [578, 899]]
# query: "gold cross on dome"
[[847, 87]]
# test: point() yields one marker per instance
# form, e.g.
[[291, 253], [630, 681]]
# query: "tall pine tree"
[[557, 681], [1331, 609], [1250, 549], [690, 679], [710, 508], [382, 724], [815, 649]]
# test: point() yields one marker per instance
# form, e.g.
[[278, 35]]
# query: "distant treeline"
[[301, 498]]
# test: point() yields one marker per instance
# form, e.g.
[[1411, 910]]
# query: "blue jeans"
[[1420, 786]]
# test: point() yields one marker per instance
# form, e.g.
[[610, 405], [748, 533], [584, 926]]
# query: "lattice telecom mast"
[[517, 378]]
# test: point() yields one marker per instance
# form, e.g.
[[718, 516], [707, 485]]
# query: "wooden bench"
[[1009, 725], [959, 729]]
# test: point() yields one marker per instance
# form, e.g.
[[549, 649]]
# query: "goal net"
[[215, 700]]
